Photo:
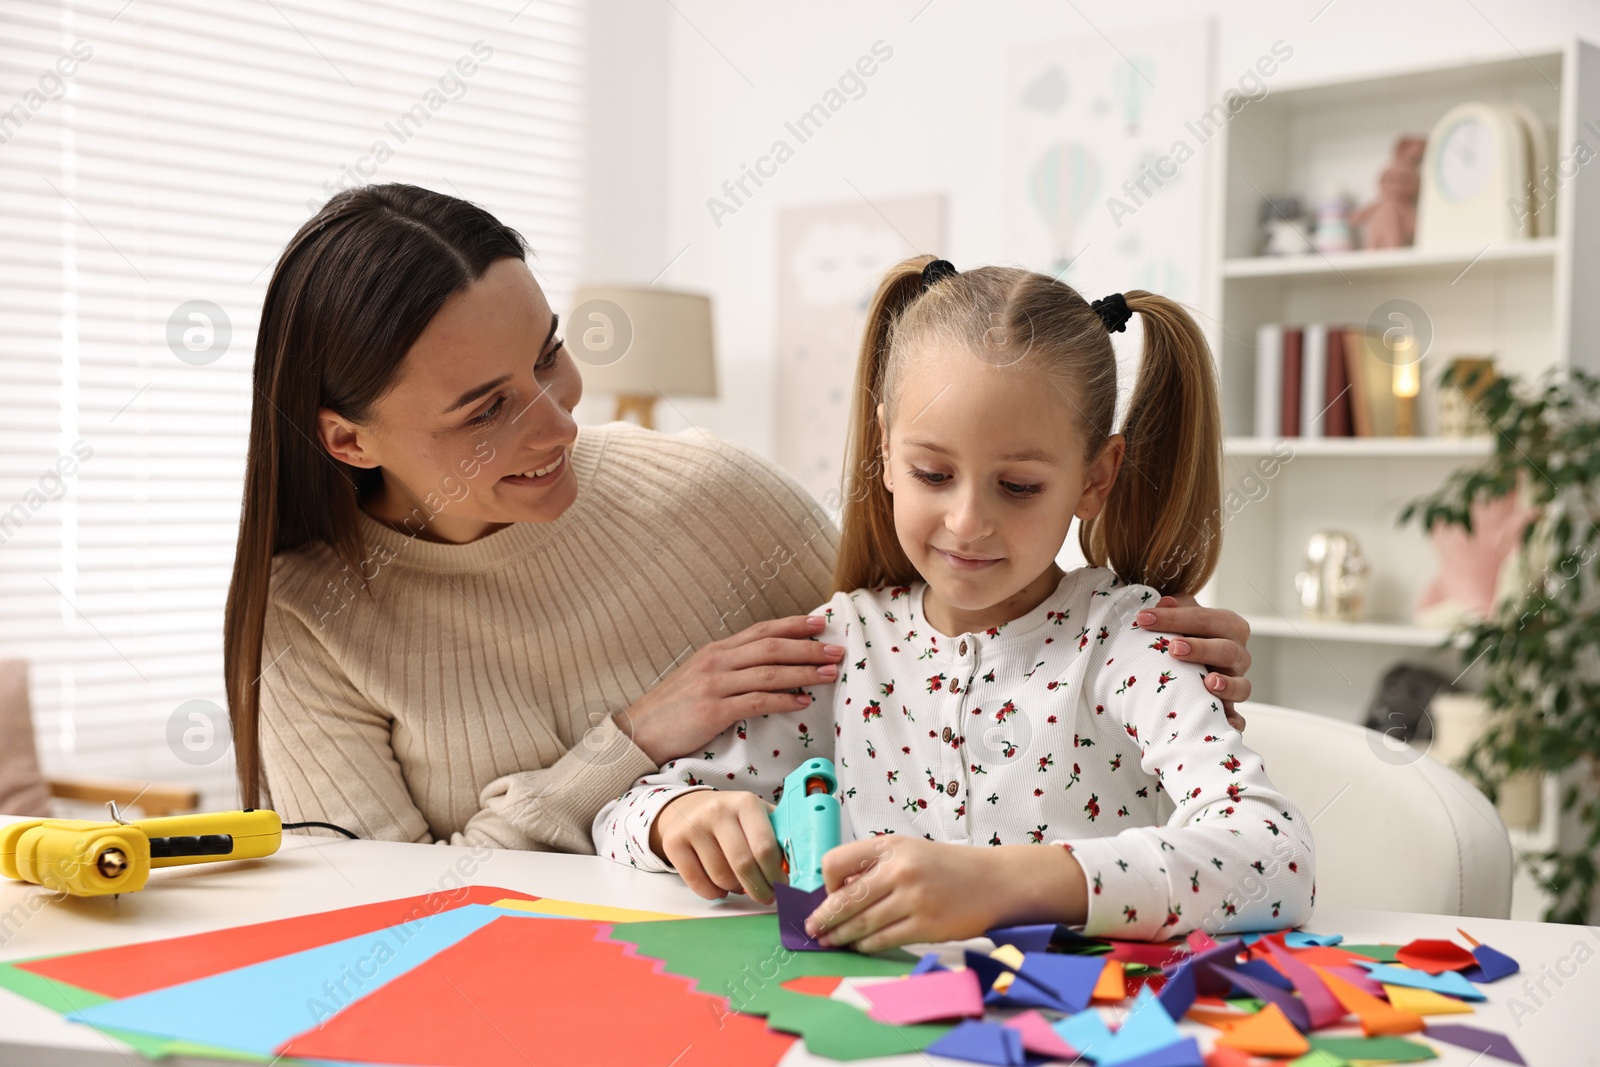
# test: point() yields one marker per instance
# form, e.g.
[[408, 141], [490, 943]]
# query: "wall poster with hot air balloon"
[[1104, 180]]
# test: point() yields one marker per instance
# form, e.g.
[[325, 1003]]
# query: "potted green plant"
[[1539, 650]]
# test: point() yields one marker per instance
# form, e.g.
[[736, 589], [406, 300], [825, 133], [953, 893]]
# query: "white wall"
[[688, 92]]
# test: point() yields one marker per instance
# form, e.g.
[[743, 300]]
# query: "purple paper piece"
[[1358, 978], [987, 969], [1262, 971], [1185, 1053], [928, 964], [1206, 982], [1492, 966], [1323, 1008], [1034, 938], [1470, 1037], [794, 908], [981, 1043], [1178, 993], [1291, 1005], [1069, 979]]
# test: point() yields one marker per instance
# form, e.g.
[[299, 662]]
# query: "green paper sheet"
[[1318, 1058], [742, 959], [1245, 1003], [1390, 1049], [1381, 953]]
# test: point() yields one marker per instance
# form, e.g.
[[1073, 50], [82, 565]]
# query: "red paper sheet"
[[529, 993], [129, 970]]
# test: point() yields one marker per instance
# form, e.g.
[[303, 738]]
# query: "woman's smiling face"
[[986, 464], [477, 430]]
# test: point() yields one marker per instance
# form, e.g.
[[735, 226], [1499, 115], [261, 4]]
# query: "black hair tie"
[[935, 270], [1114, 312]]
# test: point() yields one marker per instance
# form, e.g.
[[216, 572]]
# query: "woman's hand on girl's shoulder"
[[1215, 638], [752, 673]]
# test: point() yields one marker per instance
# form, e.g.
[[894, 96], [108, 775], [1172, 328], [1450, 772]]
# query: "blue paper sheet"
[[1146, 1029], [257, 1008], [1449, 983]]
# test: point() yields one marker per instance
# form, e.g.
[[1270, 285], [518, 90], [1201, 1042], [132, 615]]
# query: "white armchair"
[[1395, 830]]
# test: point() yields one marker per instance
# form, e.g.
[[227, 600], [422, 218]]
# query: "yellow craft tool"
[[89, 859]]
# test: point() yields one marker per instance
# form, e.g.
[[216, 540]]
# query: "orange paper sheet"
[[1112, 984], [1377, 1017], [1266, 1033]]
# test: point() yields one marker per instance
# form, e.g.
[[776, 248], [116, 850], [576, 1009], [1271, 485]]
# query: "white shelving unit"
[[1531, 304]]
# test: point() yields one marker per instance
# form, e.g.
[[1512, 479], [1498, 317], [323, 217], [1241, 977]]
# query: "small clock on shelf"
[[1478, 163]]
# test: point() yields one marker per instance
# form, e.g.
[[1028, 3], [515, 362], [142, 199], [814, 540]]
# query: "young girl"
[[985, 697]]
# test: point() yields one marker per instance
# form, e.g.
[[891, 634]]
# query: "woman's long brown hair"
[[1161, 525], [350, 295]]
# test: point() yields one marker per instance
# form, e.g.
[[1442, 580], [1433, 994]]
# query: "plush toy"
[[1390, 221]]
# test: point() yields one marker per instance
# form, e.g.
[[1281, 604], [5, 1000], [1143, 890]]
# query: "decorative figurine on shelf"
[[1333, 585], [1390, 221], [1333, 225], [1283, 227]]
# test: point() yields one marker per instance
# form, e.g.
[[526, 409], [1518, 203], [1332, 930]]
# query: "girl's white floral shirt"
[[1069, 726]]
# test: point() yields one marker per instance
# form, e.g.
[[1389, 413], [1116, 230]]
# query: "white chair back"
[[1395, 829]]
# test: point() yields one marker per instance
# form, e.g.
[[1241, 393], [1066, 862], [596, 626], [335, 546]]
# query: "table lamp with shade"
[[640, 343]]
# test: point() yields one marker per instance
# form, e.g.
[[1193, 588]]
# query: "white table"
[[319, 874]]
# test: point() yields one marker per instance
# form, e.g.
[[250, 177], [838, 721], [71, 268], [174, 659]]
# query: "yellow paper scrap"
[[573, 909]]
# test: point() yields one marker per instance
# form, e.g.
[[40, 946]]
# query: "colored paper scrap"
[[923, 998], [1070, 981], [572, 909], [1425, 1001], [988, 969], [794, 908], [816, 985], [1033, 938], [1039, 1037], [981, 1043], [1263, 971], [1315, 1058], [1177, 996], [1321, 1005], [128, 970], [1010, 955], [1377, 1017], [842, 1031], [1448, 982], [1378, 953], [1492, 965], [255, 1009], [1151, 955], [1216, 1018], [1182, 1053], [1470, 1037], [1358, 978], [1146, 1028], [1113, 985], [738, 957], [1435, 956], [928, 963], [1266, 1033], [1086, 1031], [1391, 1049], [1289, 1003], [480, 1002], [1301, 939]]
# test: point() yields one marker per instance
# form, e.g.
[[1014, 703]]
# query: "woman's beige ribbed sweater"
[[465, 694]]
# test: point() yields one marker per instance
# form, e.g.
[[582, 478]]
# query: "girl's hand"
[[895, 890], [1213, 637], [739, 677], [721, 843]]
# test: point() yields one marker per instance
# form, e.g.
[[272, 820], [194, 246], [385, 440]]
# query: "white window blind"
[[155, 156]]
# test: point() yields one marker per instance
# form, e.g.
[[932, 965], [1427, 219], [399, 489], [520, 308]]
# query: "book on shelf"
[[1321, 380]]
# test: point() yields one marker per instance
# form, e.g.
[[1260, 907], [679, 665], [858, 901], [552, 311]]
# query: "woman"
[[454, 615]]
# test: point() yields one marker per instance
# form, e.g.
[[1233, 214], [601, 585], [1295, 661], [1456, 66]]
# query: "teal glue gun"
[[806, 821]]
